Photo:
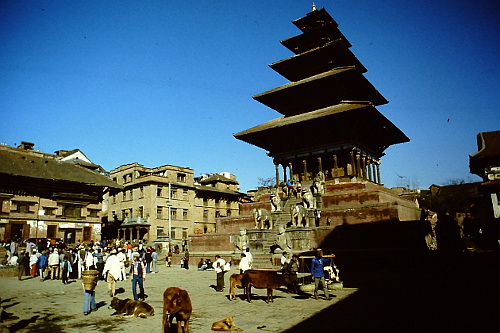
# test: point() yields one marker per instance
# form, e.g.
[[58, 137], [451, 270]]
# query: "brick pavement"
[[51, 306]]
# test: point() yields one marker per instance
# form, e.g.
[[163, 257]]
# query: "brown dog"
[[225, 325], [176, 304], [131, 308]]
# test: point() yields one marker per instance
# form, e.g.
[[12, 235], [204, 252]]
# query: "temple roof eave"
[[320, 91], [348, 121]]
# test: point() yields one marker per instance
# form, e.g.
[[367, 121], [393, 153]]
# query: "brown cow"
[[176, 304], [264, 279], [235, 281]]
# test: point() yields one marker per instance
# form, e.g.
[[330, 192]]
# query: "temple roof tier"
[[321, 91], [313, 19], [321, 59], [314, 38], [334, 126]]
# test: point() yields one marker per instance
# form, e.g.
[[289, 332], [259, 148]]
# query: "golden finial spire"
[[313, 7]]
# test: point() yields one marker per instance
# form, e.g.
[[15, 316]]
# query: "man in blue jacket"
[[317, 265]]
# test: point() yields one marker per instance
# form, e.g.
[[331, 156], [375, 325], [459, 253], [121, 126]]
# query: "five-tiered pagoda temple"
[[330, 122]]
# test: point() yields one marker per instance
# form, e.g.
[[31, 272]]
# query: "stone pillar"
[[284, 172], [291, 169], [305, 170], [320, 164]]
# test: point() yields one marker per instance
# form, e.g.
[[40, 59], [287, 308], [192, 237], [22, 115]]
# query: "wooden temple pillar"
[[335, 166], [306, 176], [276, 168]]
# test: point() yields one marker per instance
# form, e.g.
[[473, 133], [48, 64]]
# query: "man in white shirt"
[[121, 258], [54, 263], [249, 257], [244, 266], [112, 267], [219, 270]]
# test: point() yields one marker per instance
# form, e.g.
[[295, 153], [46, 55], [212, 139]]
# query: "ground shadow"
[[403, 287]]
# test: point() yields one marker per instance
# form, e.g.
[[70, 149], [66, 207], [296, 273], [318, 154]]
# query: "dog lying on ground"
[[131, 308], [176, 304], [225, 325]]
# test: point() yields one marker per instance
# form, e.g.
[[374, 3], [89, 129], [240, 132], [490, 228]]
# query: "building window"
[[114, 198], [184, 214], [184, 233], [131, 195], [87, 234], [228, 212], [49, 211], [181, 177], [173, 213], [159, 212], [217, 203], [160, 231], [141, 192], [72, 211], [159, 191], [185, 194], [205, 214], [173, 193], [93, 212], [205, 202], [217, 214], [23, 207], [140, 212], [51, 231]]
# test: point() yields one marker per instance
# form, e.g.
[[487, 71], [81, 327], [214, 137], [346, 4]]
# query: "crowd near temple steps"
[[321, 246]]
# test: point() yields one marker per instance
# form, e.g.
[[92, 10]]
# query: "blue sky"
[[169, 82]]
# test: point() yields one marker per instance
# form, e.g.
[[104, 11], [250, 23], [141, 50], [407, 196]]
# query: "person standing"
[[244, 265], [54, 263], [99, 257], [283, 260], [42, 264], [122, 258], [112, 268], [249, 256], [138, 277], [65, 270], [317, 265], [293, 269], [20, 265], [89, 304], [148, 259], [219, 270], [90, 260], [168, 260], [154, 263]]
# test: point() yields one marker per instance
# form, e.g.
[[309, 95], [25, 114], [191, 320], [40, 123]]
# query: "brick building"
[[56, 196]]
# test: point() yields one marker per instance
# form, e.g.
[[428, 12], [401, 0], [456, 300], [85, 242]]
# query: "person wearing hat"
[[317, 265], [138, 277], [113, 269]]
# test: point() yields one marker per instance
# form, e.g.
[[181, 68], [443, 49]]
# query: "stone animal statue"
[[308, 199], [275, 201], [318, 187], [262, 218], [298, 213]]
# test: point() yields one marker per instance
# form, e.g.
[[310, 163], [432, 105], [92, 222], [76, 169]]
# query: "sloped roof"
[[218, 178], [22, 163], [355, 122]]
